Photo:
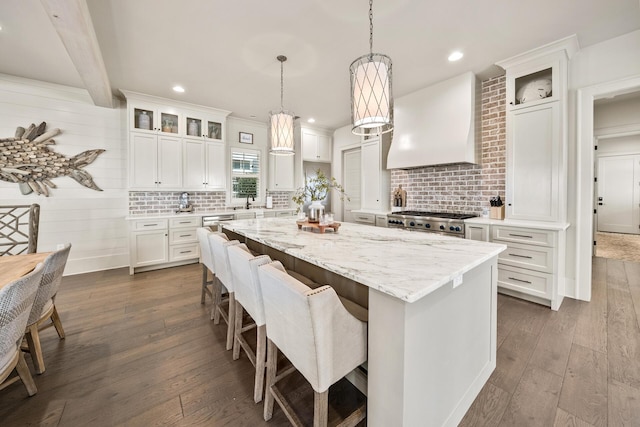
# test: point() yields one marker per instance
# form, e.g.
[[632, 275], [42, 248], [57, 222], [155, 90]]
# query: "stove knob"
[[451, 228], [457, 228], [412, 224], [442, 227], [427, 225]]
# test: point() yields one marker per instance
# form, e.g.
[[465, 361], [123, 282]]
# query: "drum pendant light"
[[281, 122], [371, 94]]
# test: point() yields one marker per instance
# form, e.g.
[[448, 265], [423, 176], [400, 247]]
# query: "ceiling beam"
[[72, 21]]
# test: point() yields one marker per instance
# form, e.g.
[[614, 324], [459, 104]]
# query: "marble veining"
[[405, 264]]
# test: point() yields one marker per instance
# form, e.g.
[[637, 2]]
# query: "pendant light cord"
[[370, 27], [282, 85]]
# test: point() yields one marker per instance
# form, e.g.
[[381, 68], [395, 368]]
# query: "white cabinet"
[[154, 118], [375, 178], [381, 221], [198, 125], [316, 147], [476, 232], [155, 161], [204, 165], [281, 173], [160, 243], [365, 218]]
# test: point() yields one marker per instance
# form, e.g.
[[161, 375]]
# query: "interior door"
[[351, 173], [618, 194]]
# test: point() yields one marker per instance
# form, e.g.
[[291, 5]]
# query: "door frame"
[[585, 174]]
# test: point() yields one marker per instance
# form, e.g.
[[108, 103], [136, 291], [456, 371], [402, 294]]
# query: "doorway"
[[352, 182]]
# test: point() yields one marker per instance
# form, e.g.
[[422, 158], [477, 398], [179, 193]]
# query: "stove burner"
[[446, 215], [439, 222]]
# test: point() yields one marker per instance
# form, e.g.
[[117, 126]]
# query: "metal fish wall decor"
[[27, 160]]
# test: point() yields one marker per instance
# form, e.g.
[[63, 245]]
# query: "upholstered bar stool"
[[219, 247], [248, 296], [44, 307], [322, 340], [16, 300], [207, 263]]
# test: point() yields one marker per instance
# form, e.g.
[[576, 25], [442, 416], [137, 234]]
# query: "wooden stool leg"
[[237, 330], [320, 408], [231, 322], [33, 339], [55, 318], [25, 375], [272, 366], [204, 282], [261, 347], [217, 300]]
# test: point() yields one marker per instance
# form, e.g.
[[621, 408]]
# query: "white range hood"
[[437, 125]]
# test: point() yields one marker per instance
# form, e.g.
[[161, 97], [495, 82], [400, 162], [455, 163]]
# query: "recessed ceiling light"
[[311, 120], [455, 56], [178, 89]]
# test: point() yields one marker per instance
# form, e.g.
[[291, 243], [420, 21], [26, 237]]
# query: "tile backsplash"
[[464, 188], [166, 202]]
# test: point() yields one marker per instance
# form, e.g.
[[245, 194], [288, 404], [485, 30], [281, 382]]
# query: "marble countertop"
[[541, 225], [405, 264], [207, 213]]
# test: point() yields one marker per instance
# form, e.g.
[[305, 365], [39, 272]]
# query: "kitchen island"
[[432, 311]]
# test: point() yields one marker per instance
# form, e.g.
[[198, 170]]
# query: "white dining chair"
[[44, 306], [16, 300], [313, 329]]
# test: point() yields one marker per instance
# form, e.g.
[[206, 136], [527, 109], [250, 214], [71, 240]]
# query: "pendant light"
[[371, 94], [281, 122]]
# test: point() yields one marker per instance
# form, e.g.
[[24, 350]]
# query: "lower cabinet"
[[476, 232], [364, 218], [160, 243]]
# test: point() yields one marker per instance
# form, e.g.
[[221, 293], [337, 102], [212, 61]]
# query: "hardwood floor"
[[142, 351]]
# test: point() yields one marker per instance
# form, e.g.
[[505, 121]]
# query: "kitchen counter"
[[432, 304], [371, 211], [542, 225]]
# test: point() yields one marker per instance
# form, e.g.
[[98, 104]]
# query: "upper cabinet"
[[281, 173], [316, 146], [536, 159], [174, 145], [375, 176]]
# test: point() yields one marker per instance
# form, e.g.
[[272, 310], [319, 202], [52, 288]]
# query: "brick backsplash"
[[464, 188], [166, 202]]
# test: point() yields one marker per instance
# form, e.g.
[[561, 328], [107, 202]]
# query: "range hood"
[[436, 125]]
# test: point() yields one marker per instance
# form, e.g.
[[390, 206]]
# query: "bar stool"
[[207, 263], [248, 296], [224, 279], [322, 340]]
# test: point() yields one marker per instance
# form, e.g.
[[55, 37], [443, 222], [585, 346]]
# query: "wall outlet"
[[457, 281], [59, 246]]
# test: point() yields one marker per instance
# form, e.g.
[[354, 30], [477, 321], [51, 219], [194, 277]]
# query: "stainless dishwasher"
[[213, 221]]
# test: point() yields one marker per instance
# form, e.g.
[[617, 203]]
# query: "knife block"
[[497, 212]]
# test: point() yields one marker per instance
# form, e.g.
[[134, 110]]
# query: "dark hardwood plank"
[[584, 391], [591, 327], [632, 270], [512, 360], [624, 339], [565, 419], [624, 405], [488, 408]]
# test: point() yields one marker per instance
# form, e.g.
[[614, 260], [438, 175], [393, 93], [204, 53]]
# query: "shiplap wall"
[[92, 221]]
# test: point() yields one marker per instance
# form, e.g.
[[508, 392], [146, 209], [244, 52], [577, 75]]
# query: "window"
[[245, 174]]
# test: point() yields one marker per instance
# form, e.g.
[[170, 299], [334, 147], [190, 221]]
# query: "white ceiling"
[[224, 52]]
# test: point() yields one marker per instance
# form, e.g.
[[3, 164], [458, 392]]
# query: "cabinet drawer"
[[284, 213], [245, 215], [193, 221], [523, 235], [149, 224], [182, 252], [182, 236], [381, 221], [525, 281], [364, 218], [537, 258]]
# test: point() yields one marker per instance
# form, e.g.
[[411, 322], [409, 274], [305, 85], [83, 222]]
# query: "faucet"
[[253, 199]]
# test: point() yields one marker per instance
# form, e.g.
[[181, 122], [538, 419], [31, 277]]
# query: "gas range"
[[451, 224]]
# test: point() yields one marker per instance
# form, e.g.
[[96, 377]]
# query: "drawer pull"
[[521, 235], [149, 225], [185, 222], [185, 252], [189, 235], [520, 280], [521, 256]]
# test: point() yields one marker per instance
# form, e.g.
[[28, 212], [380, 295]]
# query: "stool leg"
[[204, 283], [261, 347], [33, 339], [25, 375], [55, 318], [231, 322], [217, 300], [272, 366], [320, 408], [237, 330]]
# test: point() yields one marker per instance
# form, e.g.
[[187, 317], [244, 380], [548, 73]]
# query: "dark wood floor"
[[141, 351]]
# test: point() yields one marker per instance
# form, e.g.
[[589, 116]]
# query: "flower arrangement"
[[316, 188]]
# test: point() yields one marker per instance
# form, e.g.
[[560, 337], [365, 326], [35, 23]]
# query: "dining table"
[[13, 267]]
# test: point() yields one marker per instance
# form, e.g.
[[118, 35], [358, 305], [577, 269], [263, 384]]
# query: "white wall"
[[611, 60], [614, 114], [342, 138], [92, 221]]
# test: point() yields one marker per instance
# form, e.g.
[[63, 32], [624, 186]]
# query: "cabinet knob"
[[511, 103]]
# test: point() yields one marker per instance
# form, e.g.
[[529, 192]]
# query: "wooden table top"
[[13, 267]]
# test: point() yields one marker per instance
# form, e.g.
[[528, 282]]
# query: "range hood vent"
[[437, 125]]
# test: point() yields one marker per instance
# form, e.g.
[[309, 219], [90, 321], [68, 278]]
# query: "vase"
[[316, 210]]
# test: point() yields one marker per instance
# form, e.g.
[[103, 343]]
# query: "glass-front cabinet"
[[200, 126], [155, 119]]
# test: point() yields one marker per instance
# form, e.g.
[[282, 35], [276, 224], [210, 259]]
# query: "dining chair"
[[248, 297], [19, 226], [321, 339], [16, 300], [207, 263], [224, 280], [44, 306]]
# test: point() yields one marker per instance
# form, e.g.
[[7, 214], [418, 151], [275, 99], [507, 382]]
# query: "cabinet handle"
[[521, 235], [521, 256], [185, 222], [189, 235], [519, 280], [185, 252], [149, 225]]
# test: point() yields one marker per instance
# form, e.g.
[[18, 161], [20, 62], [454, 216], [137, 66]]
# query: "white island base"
[[429, 359]]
